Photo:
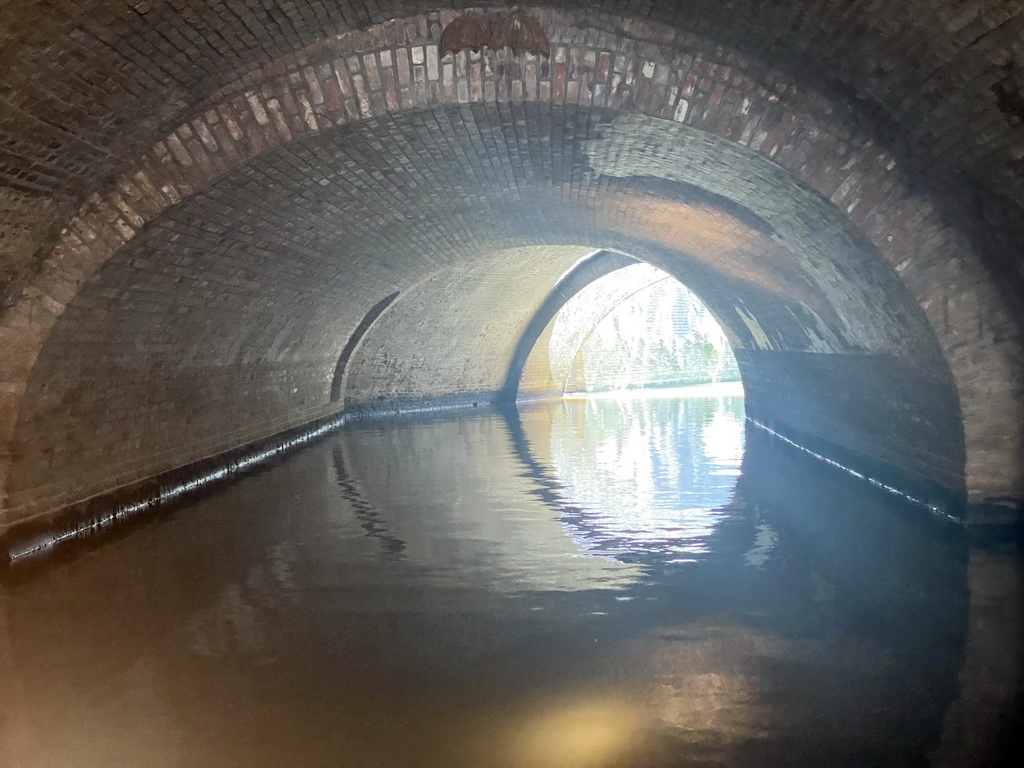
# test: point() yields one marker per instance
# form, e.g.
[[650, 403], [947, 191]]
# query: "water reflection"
[[371, 518], [451, 492], [424, 593], [648, 476]]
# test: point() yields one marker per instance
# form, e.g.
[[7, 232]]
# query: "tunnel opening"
[[639, 390], [637, 329], [624, 326]]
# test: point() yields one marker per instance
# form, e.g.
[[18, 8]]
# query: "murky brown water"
[[588, 584]]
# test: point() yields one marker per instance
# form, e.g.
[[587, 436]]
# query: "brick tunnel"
[[231, 229], [221, 222]]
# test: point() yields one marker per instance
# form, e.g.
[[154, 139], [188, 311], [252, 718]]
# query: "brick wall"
[[248, 186], [452, 336]]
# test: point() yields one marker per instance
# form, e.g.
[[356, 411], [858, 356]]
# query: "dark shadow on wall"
[[353, 341]]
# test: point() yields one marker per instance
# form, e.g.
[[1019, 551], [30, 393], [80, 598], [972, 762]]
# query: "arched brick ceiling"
[[88, 83], [164, 164], [222, 319]]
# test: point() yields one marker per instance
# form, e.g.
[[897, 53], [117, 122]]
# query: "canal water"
[[576, 584]]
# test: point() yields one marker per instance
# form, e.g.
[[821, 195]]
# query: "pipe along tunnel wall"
[[200, 295]]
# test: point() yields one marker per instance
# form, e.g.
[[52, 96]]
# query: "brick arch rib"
[[597, 266], [378, 309]]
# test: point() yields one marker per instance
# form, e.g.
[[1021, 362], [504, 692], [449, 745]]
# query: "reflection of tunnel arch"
[[865, 579], [195, 303], [601, 524], [369, 517], [547, 488]]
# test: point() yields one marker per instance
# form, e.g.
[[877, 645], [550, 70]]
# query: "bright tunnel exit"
[[636, 328], [647, 441]]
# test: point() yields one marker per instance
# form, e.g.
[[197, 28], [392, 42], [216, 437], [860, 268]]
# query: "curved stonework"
[[452, 336], [341, 368], [530, 373], [536, 374], [201, 299]]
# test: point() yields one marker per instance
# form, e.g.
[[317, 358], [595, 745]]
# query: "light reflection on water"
[[584, 584], [650, 475]]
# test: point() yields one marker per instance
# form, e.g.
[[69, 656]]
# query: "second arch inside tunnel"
[[636, 328]]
